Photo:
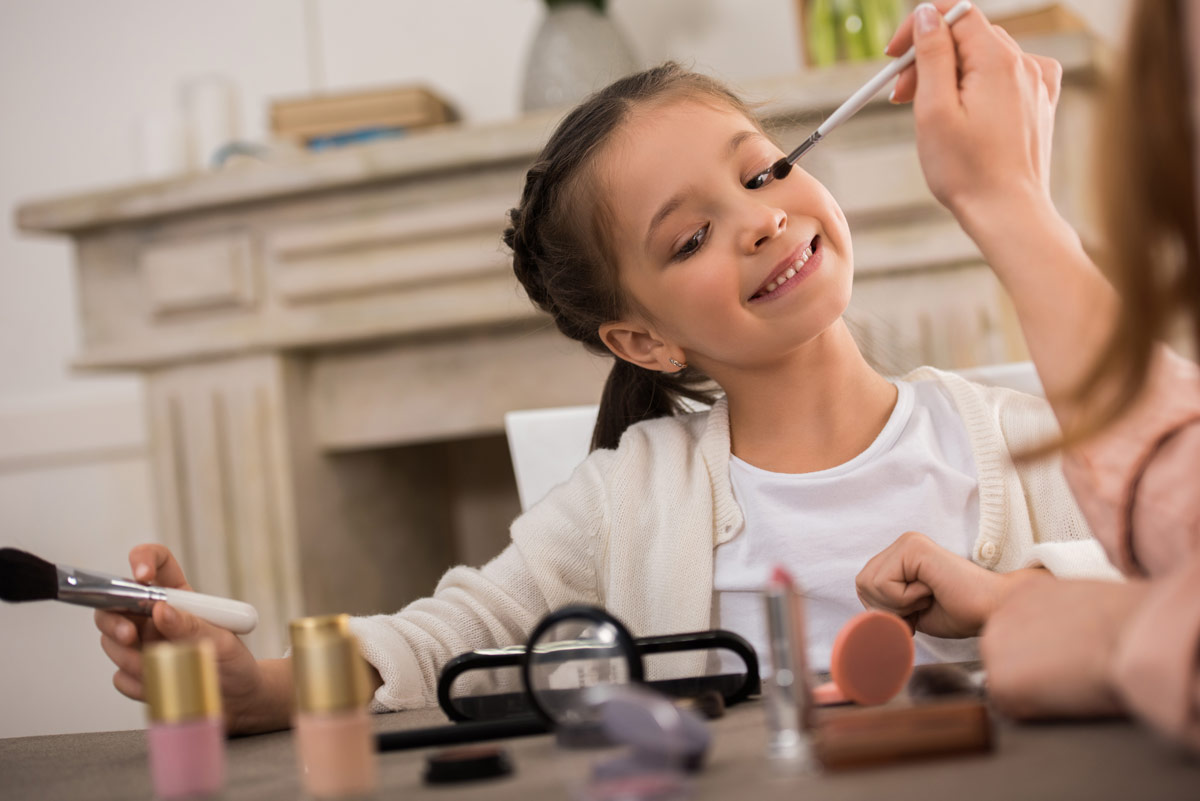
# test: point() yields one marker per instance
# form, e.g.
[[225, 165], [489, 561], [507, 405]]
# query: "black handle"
[[458, 733]]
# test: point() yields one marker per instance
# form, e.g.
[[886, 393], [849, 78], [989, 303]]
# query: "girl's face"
[[718, 273]]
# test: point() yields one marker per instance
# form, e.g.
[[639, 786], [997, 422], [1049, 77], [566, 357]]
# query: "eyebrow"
[[675, 201]]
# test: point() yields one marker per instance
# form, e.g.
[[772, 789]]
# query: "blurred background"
[[123, 92]]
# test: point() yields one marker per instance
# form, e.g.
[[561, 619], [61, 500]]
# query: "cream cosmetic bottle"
[[334, 741], [185, 737]]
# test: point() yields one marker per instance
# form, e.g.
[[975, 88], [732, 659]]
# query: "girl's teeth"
[[790, 273]]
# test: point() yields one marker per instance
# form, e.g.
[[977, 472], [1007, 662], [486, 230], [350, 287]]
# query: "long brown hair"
[[1147, 183], [557, 236]]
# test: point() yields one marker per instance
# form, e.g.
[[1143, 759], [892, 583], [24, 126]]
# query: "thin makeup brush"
[[25, 577], [780, 169]]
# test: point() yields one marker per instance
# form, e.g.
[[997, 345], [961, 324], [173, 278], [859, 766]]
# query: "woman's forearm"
[[1066, 308]]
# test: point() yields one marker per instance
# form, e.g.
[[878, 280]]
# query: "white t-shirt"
[[918, 475]]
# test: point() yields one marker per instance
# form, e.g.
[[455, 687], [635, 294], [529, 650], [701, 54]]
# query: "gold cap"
[[181, 681], [330, 673]]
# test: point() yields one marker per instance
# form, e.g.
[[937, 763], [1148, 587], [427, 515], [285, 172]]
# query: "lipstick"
[[789, 690]]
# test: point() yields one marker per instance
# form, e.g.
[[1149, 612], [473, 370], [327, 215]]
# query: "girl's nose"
[[766, 223]]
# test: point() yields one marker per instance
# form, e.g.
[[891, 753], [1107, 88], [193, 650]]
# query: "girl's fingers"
[[117, 626], [176, 624], [129, 660], [154, 563], [128, 686]]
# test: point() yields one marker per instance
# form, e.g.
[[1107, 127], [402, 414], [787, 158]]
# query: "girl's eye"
[[760, 180], [693, 244]]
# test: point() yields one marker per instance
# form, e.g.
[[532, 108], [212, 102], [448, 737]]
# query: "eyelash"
[[701, 236], [770, 176]]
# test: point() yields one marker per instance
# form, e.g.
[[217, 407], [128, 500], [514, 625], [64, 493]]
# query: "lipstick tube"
[[789, 703], [185, 737], [334, 742]]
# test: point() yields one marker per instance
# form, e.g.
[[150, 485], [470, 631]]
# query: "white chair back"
[[548, 444]]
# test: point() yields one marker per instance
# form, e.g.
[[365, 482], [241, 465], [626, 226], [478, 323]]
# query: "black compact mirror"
[[575, 653]]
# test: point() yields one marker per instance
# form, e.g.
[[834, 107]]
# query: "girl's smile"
[[791, 272]]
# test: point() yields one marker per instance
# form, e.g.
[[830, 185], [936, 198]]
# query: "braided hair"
[[557, 237]]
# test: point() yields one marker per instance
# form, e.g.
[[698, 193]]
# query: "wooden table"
[[1095, 760]]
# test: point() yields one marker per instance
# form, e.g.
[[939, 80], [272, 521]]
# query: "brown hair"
[[1147, 182], [558, 240]]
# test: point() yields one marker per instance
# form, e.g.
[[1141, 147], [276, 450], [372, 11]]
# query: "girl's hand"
[[936, 591], [984, 111], [1049, 649], [248, 692]]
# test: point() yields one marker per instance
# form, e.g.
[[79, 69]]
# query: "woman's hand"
[[984, 110], [938, 592], [1049, 649], [255, 697], [984, 114]]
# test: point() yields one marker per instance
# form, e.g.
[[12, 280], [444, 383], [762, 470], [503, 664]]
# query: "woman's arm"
[[1157, 666], [984, 114]]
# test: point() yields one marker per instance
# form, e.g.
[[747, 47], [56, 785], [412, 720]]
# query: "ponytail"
[[633, 394]]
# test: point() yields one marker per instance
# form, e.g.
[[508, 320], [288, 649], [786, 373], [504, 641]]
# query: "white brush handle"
[[238, 617], [863, 96]]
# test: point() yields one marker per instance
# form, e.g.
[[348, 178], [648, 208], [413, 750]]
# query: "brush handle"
[[102, 591], [238, 617], [863, 96], [856, 101]]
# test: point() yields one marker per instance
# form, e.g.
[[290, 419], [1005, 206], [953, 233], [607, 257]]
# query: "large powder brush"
[[25, 577]]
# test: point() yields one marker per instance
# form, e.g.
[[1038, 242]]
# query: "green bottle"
[[821, 33], [853, 30]]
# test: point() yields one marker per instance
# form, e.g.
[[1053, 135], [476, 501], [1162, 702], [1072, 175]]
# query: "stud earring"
[[680, 365]]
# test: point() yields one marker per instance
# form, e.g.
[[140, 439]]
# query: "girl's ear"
[[637, 344]]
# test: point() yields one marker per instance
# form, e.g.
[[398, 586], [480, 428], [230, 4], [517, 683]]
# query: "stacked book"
[[335, 119]]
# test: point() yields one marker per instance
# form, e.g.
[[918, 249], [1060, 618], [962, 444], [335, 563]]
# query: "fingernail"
[[892, 96], [926, 18], [125, 632], [141, 572]]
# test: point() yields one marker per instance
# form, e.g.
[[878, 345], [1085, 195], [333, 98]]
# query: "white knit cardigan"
[[634, 531]]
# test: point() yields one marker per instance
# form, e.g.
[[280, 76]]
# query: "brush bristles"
[[25, 577]]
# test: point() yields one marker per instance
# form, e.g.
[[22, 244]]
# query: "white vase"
[[576, 51]]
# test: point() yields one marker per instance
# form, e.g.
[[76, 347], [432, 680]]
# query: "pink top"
[[1138, 484]]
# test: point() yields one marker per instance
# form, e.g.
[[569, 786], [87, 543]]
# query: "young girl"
[[647, 229]]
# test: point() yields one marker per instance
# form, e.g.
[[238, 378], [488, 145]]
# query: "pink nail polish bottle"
[[334, 742], [186, 737]]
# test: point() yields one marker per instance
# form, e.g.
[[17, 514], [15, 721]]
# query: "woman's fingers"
[[902, 39], [972, 23], [155, 564], [1051, 74]]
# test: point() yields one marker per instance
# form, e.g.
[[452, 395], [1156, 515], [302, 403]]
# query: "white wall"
[[76, 77]]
